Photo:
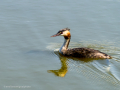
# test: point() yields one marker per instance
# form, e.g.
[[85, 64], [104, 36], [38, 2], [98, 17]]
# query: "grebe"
[[78, 52]]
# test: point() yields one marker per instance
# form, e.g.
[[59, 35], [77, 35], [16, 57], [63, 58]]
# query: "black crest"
[[62, 30], [66, 29]]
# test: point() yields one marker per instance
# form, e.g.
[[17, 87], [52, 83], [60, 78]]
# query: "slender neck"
[[65, 45], [66, 42]]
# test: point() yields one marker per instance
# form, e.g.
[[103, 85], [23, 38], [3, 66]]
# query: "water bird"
[[78, 52]]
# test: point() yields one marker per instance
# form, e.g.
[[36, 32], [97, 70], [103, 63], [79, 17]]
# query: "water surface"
[[28, 53]]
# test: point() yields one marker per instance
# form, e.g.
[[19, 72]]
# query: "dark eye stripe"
[[61, 31]]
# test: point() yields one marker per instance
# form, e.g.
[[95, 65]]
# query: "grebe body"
[[78, 52]]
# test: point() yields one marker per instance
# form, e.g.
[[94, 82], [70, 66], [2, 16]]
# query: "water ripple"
[[93, 69]]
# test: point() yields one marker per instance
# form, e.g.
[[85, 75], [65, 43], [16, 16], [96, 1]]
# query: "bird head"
[[63, 32]]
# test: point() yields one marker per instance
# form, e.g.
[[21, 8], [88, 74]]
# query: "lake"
[[30, 57]]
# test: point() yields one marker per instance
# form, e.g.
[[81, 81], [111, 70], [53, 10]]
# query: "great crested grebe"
[[78, 52]]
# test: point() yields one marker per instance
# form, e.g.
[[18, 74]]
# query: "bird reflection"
[[64, 64]]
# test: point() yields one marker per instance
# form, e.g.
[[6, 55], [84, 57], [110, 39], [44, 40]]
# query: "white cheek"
[[64, 34]]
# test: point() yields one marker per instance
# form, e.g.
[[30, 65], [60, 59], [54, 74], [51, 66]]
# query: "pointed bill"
[[56, 35]]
